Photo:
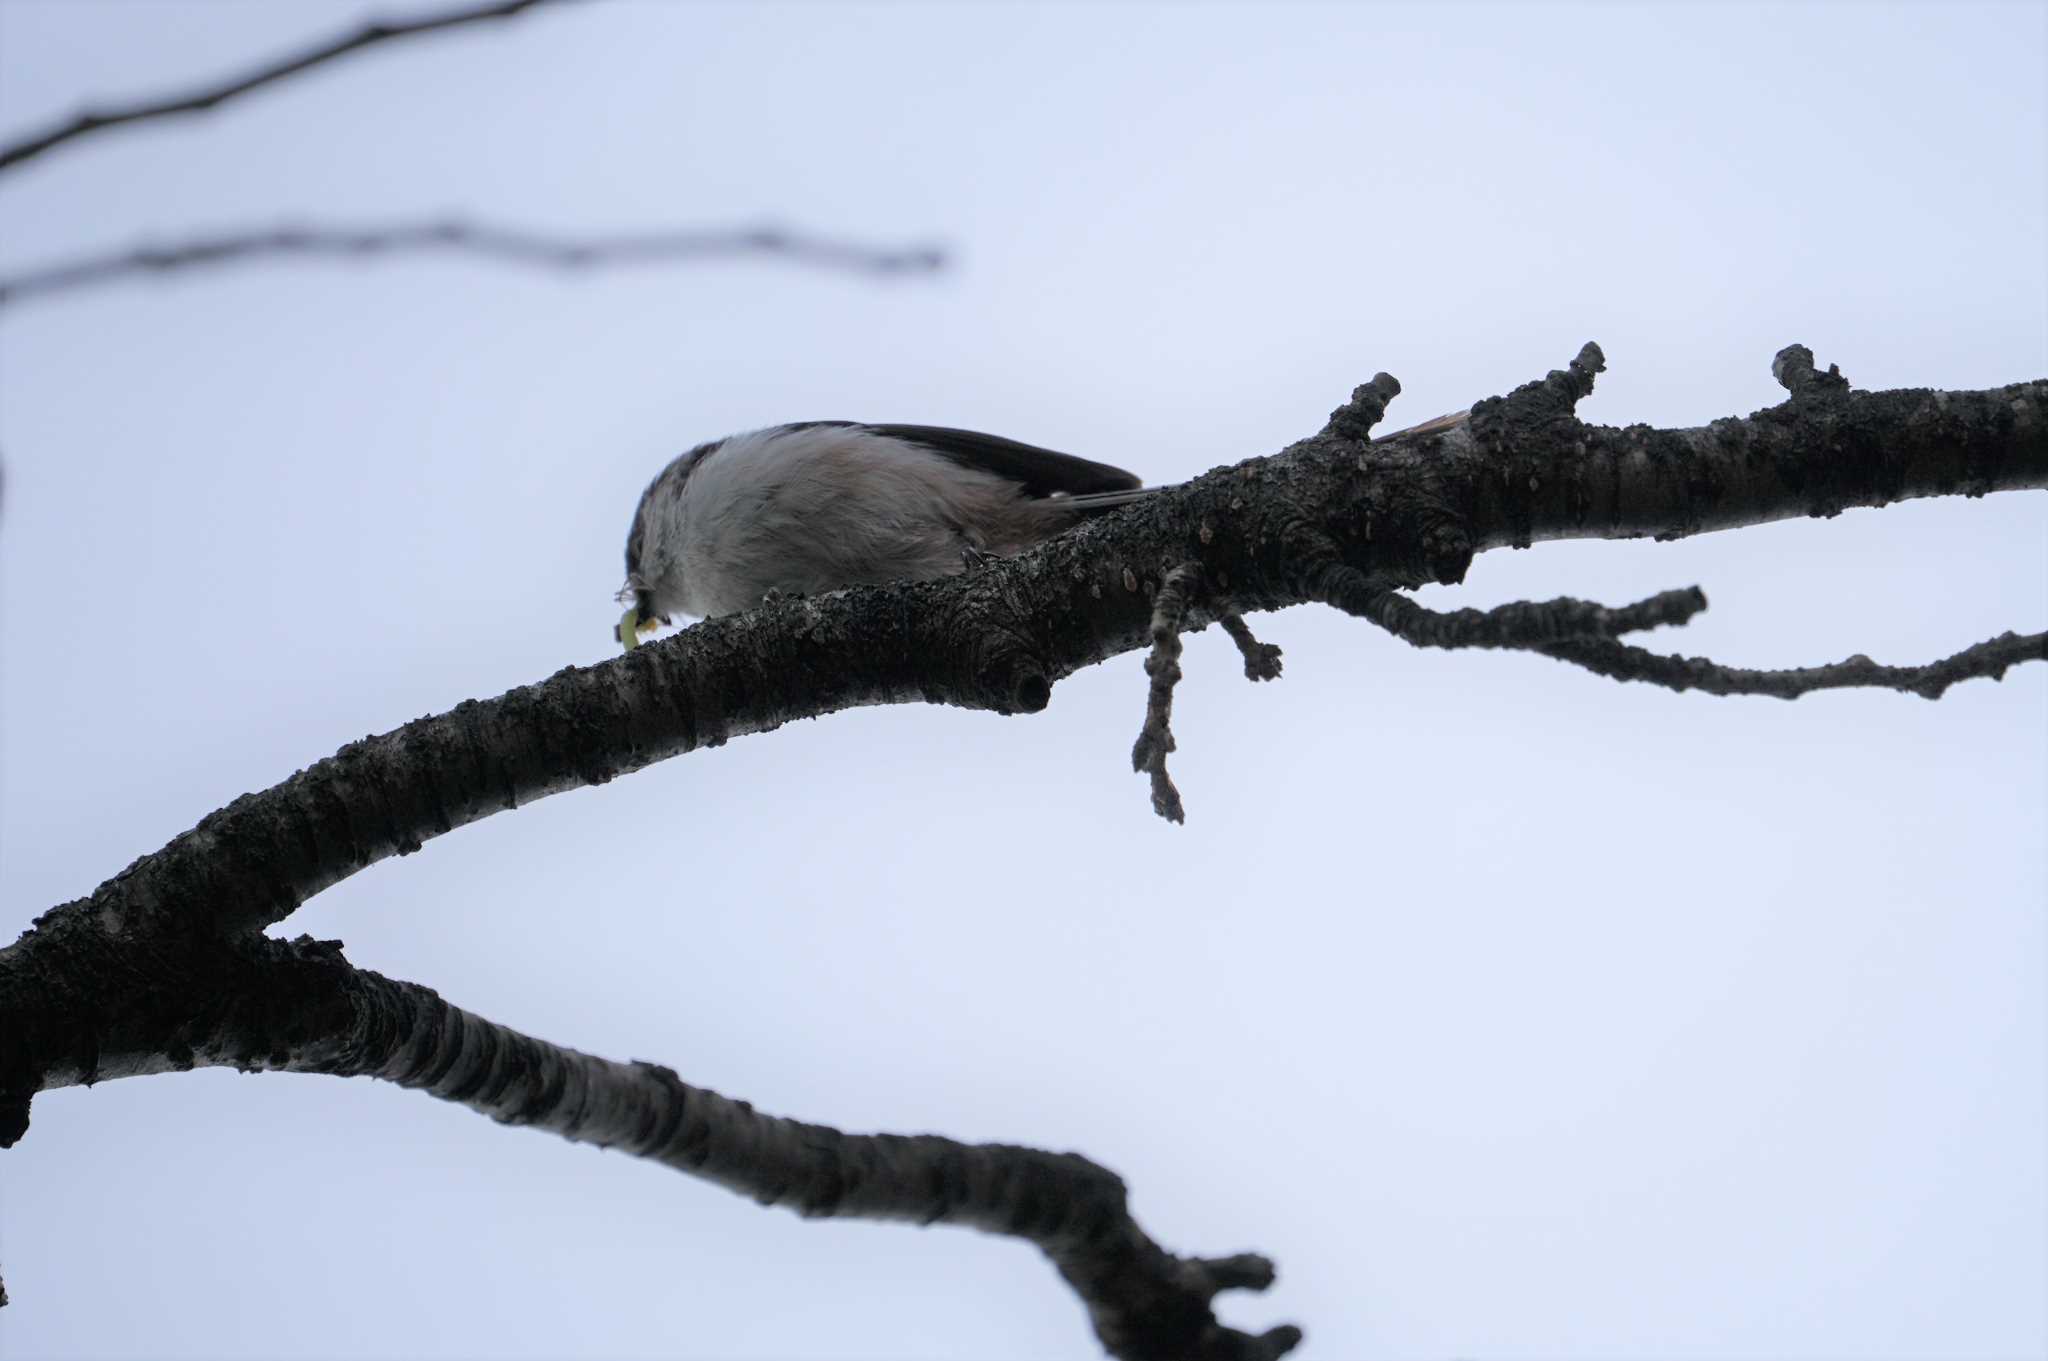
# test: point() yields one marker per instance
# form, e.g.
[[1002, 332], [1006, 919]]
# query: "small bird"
[[810, 507]]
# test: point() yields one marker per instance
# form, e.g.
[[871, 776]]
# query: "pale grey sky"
[[1517, 1014]]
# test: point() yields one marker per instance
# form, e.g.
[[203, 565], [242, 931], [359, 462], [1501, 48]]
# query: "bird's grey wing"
[[1043, 472]]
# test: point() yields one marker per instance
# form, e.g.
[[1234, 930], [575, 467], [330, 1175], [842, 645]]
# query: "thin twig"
[[1523, 624], [1261, 660], [1585, 634], [1623, 662], [1155, 739], [513, 244], [89, 122], [1796, 372]]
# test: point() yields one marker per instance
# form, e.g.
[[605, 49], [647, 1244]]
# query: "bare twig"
[[1261, 660], [89, 122], [1155, 739], [513, 244], [1585, 635], [1523, 624], [1796, 372], [1620, 661]]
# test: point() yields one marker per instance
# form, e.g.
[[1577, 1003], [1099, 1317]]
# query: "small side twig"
[[1523, 624], [89, 122], [1155, 739], [1796, 372], [1367, 405], [1623, 662], [1261, 660], [512, 244]]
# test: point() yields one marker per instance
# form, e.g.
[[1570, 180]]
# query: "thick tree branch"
[[509, 244], [90, 122], [1268, 533], [299, 1006], [127, 980], [1825, 451]]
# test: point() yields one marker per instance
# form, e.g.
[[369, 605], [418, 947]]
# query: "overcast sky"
[[1514, 1012]]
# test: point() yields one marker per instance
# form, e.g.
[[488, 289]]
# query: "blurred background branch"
[[88, 122], [457, 235]]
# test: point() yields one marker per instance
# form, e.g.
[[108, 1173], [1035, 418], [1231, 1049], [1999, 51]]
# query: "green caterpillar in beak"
[[629, 627]]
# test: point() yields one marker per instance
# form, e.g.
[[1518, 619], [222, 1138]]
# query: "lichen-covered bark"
[[164, 967]]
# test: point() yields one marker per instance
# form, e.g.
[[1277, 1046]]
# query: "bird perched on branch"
[[819, 505]]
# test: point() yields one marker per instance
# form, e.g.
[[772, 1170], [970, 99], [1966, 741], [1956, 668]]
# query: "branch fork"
[[1579, 632], [1180, 589]]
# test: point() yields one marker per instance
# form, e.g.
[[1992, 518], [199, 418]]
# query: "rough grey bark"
[[164, 967]]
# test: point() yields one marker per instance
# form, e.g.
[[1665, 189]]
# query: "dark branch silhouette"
[[90, 122], [1148, 755], [1584, 634], [454, 235], [164, 966], [1524, 624], [1261, 660], [1986, 660], [352, 1022]]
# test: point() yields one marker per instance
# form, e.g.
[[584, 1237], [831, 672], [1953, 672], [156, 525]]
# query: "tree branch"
[[1619, 661], [91, 122], [1267, 532], [1155, 739], [1524, 624], [231, 1004], [128, 980], [511, 244], [1261, 660]]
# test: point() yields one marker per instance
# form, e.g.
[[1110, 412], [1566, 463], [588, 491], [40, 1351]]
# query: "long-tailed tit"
[[815, 506]]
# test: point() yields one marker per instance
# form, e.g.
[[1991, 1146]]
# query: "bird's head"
[[654, 585]]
